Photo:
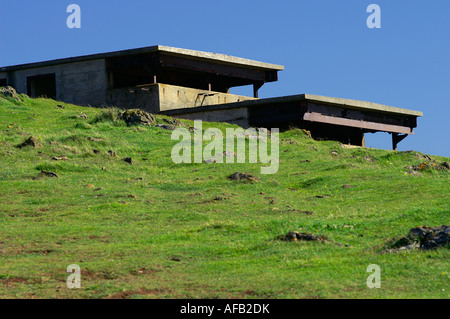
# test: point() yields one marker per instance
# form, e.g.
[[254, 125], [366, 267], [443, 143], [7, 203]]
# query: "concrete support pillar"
[[397, 138], [256, 87]]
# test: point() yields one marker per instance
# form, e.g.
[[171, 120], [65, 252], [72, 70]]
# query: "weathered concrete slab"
[[200, 55], [155, 98], [347, 103], [353, 104], [220, 58], [326, 116], [362, 105], [239, 116]]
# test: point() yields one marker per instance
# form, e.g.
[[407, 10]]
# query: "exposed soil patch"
[[45, 174], [173, 122], [369, 159], [427, 165], [95, 139], [44, 252], [221, 198], [322, 196], [296, 236], [245, 293], [81, 116], [143, 271], [103, 239], [9, 281], [60, 158], [126, 294], [31, 141], [97, 275], [195, 194], [288, 141], [165, 127], [238, 176], [136, 117], [112, 153], [128, 160]]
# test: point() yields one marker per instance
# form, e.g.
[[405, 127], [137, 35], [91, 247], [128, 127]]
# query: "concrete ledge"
[[346, 103], [222, 58], [361, 105], [200, 55]]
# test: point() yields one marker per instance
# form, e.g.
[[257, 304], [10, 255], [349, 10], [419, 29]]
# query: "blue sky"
[[325, 46]]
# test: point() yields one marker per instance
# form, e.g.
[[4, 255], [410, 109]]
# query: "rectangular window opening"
[[42, 86]]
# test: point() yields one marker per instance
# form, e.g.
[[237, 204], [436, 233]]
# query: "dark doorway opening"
[[3, 82], [42, 86]]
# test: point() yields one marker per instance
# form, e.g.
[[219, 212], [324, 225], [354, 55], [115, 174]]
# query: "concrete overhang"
[[326, 116], [188, 54], [360, 105], [344, 103]]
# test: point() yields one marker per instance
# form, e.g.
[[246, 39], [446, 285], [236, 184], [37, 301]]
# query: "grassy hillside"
[[156, 229]]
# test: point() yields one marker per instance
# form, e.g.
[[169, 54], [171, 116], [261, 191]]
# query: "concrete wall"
[[145, 98], [82, 83], [162, 97], [86, 83], [238, 116], [176, 97]]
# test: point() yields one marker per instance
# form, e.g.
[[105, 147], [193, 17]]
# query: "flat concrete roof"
[[361, 105], [347, 103], [189, 54]]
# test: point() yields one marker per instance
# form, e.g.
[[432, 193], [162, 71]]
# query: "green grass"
[[156, 230]]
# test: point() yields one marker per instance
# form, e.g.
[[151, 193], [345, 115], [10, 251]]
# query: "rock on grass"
[[9, 91], [426, 165], [423, 237], [31, 141], [429, 237]]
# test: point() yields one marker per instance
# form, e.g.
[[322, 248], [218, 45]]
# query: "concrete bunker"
[[196, 85]]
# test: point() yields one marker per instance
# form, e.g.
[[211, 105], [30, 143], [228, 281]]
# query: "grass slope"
[[156, 229]]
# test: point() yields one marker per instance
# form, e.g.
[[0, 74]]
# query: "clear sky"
[[325, 46]]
